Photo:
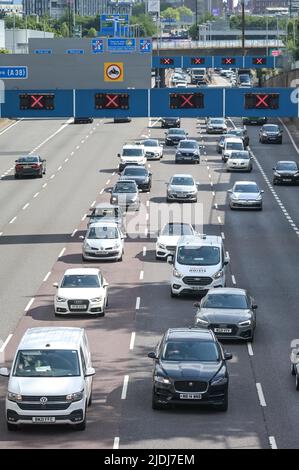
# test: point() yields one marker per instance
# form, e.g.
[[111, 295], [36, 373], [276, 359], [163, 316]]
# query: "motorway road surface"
[[38, 241]]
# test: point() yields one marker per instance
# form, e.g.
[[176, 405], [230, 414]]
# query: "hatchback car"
[[245, 195], [286, 172], [239, 160], [153, 149], [81, 291], [126, 195], [189, 368], [30, 165], [231, 144], [167, 122], [169, 236], [103, 241], [187, 151], [174, 136], [182, 188], [216, 126], [221, 141], [140, 175], [105, 212], [269, 133], [228, 312]]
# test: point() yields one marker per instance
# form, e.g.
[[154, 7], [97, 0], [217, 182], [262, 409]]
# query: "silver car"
[[245, 195], [126, 195], [182, 188], [228, 312], [187, 151], [216, 126], [239, 160], [105, 212]]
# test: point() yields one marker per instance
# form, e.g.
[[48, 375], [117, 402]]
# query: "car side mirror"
[[170, 259], [55, 284], [81, 237], [4, 372], [262, 191], [274, 168], [105, 284], [225, 262], [254, 306], [196, 304], [152, 355], [230, 191], [118, 155], [89, 372], [109, 190], [227, 356]]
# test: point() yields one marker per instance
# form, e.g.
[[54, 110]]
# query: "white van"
[[199, 264], [50, 381], [230, 144], [131, 155]]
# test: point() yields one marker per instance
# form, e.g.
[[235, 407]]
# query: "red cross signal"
[[186, 100], [166, 61], [37, 101], [111, 101], [262, 100], [197, 60], [259, 60], [228, 60]]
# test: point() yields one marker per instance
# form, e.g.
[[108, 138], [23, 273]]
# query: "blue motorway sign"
[[74, 51], [121, 45], [145, 45], [16, 72], [97, 46], [111, 25], [42, 51]]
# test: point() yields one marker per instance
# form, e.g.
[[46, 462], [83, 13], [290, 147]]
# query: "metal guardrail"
[[215, 44]]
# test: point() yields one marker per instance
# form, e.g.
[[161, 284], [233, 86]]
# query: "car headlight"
[[161, 380], [177, 274], [277, 174], [60, 299], [264, 134], [87, 245], [179, 153], [201, 321], [116, 245], [74, 396], [16, 397], [259, 197], [220, 378], [160, 245], [114, 199], [218, 274], [96, 299], [245, 323]]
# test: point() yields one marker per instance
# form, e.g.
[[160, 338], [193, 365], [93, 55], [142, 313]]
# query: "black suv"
[[190, 368], [240, 132], [270, 133], [286, 171]]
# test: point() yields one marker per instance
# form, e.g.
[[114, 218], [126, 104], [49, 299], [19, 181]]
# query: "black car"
[[83, 120], [30, 165], [190, 368], [254, 120], [240, 132], [173, 136], [286, 172], [139, 174], [270, 133], [170, 122], [122, 119]]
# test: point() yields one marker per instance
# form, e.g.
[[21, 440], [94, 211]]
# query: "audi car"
[[229, 312], [153, 149], [168, 238], [174, 136], [30, 165], [286, 171], [270, 133], [189, 368], [245, 195]]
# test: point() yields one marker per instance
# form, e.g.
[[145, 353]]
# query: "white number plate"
[[196, 288], [78, 307], [287, 180], [222, 330], [43, 419], [190, 396]]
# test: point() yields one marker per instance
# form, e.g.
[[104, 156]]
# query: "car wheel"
[[81, 426], [84, 259], [57, 314], [155, 404], [280, 141], [293, 371], [260, 208], [120, 258], [250, 170], [40, 175], [274, 183], [297, 382], [12, 427], [173, 295], [224, 405], [16, 177]]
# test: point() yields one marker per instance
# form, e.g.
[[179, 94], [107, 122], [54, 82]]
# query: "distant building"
[[10, 8], [16, 40], [258, 7]]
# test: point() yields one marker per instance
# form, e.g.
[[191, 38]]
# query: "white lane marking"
[[132, 341], [72, 153], [147, 203], [234, 280], [146, 216], [213, 193], [209, 176], [146, 232], [11, 126], [82, 141], [66, 160], [6, 341], [59, 168], [216, 205], [208, 167], [26, 205], [125, 387], [211, 184], [154, 123], [29, 304], [116, 443], [86, 137], [108, 181], [52, 176], [84, 217], [93, 203], [74, 232], [62, 252], [250, 350], [36, 194], [1, 233], [44, 185], [102, 190], [260, 394], [137, 307], [290, 136], [227, 254], [141, 275], [144, 251], [219, 219], [52, 135], [222, 236], [272, 442], [12, 220], [78, 146], [47, 276], [113, 173], [149, 165]]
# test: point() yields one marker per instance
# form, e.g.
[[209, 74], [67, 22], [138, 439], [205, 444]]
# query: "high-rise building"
[[258, 7], [57, 8]]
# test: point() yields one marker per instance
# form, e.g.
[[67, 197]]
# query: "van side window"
[[83, 361]]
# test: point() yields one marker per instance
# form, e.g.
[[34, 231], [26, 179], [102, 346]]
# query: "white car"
[[216, 126], [81, 290], [153, 149], [169, 236], [181, 84], [230, 144], [239, 160], [103, 241]]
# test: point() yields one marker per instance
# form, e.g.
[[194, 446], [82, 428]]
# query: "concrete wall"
[[16, 40]]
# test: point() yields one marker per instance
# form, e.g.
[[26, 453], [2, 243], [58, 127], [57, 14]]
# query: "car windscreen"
[[244, 78], [47, 363], [270, 128], [240, 155], [109, 212], [246, 188], [151, 143], [187, 145], [176, 131], [182, 181], [216, 121], [288, 166], [132, 152], [135, 171], [190, 351], [125, 188], [234, 301], [102, 233], [80, 280], [176, 230], [198, 255], [234, 146]]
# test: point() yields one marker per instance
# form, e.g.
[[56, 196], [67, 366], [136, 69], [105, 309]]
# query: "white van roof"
[[51, 338], [200, 240]]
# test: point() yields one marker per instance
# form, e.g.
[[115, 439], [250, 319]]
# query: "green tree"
[[184, 11], [171, 13], [92, 33], [64, 30]]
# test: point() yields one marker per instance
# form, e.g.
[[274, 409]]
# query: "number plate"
[[197, 288], [102, 252], [190, 396], [43, 419], [287, 180], [78, 307], [222, 330]]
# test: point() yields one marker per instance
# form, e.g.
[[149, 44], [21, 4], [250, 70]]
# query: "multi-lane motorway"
[[40, 224]]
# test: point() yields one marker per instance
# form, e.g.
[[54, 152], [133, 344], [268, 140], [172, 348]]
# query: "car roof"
[[245, 182], [233, 152], [176, 129], [270, 124], [286, 161], [181, 175], [29, 156], [200, 240], [143, 167], [132, 146], [81, 271], [234, 139], [123, 180], [103, 224], [187, 140], [227, 290], [103, 205], [51, 338], [190, 333]]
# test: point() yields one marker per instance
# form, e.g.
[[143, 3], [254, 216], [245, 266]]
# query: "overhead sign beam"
[[225, 62]]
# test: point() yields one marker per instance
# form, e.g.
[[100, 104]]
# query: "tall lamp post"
[[196, 20], [243, 26]]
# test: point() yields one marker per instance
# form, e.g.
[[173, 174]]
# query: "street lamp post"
[[243, 26]]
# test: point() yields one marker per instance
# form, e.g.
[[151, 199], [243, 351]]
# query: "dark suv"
[[167, 122], [270, 133], [190, 368]]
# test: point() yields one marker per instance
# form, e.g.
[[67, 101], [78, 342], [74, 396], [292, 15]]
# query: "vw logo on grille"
[[190, 384], [43, 400]]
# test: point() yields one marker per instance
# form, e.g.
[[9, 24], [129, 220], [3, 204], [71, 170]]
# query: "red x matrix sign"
[[112, 101]]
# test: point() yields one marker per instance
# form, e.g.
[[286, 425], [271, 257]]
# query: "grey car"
[[229, 312], [182, 188], [105, 212], [126, 195], [187, 151], [245, 195]]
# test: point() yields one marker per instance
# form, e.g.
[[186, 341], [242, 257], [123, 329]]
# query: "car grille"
[[190, 386], [37, 398], [170, 248], [78, 305], [188, 154], [197, 280], [46, 407], [222, 325]]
